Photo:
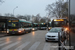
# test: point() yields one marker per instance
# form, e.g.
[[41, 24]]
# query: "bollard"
[[59, 43]]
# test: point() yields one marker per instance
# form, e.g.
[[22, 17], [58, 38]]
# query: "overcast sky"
[[30, 7]]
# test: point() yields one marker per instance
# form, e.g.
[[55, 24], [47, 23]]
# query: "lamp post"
[[47, 21], [69, 13], [14, 9]]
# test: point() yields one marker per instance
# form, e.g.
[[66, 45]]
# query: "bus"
[[59, 22], [43, 26], [34, 26], [19, 26]]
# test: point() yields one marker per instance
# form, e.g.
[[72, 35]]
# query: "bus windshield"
[[59, 23], [13, 25], [44, 25], [35, 25], [49, 24]]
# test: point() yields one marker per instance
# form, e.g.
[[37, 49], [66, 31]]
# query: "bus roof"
[[22, 20], [60, 18], [35, 23]]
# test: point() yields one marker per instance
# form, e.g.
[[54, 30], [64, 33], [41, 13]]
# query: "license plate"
[[51, 38], [13, 33]]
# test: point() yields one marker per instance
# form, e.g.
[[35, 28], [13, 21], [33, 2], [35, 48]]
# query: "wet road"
[[30, 41]]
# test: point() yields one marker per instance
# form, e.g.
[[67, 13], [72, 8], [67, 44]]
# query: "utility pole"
[[69, 22], [14, 9], [60, 8]]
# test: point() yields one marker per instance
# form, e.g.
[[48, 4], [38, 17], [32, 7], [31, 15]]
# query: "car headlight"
[[48, 28], [47, 35], [20, 30], [7, 30]]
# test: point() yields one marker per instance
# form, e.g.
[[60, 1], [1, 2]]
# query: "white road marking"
[[4, 38], [34, 46], [22, 46], [1, 41], [9, 46], [5, 43], [46, 46]]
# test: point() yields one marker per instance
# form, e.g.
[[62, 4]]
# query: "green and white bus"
[[35, 26], [43, 26], [19, 26]]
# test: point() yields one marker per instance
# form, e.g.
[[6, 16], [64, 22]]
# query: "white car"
[[52, 34]]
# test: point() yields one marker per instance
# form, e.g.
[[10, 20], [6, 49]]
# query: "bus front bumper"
[[15, 32]]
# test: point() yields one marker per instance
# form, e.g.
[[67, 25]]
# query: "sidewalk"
[[2, 34]]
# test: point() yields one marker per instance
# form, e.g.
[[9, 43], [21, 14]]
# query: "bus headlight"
[[19, 31], [7, 31], [32, 28]]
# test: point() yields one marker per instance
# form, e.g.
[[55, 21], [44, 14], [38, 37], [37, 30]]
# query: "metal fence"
[[62, 41]]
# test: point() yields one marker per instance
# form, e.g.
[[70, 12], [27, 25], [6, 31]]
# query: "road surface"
[[30, 41]]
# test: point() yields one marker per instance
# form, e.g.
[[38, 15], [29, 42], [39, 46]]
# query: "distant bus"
[[19, 26], [34, 26], [43, 26]]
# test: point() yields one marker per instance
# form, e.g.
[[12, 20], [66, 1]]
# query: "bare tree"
[[9, 15], [57, 9], [1, 1], [33, 18], [26, 17], [36, 18], [19, 16], [44, 19]]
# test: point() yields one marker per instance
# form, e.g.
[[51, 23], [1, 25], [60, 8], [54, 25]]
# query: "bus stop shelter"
[[3, 24]]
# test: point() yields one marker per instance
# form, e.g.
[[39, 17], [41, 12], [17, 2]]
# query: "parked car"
[[52, 34]]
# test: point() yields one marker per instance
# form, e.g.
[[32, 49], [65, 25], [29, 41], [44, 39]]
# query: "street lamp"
[[14, 9], [47, 21]]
